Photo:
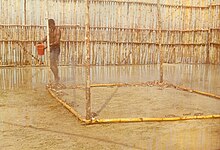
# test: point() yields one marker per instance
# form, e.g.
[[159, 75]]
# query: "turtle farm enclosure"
[[134, 93], [118, 62]]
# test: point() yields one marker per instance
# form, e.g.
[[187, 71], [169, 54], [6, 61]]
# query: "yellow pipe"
[[156, 83], [127, 120], [196, 91], [65, 105], [207, 94], [126, 84]]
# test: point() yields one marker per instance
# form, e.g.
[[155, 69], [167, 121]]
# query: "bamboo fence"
[[121, 32]]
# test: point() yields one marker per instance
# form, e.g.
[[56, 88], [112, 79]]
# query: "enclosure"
[[121, 61], [122, 32]]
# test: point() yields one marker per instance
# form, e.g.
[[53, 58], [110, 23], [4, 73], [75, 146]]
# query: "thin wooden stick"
[[152, 4], [136, 29]]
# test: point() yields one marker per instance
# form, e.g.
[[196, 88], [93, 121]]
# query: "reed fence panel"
[[122, 32]]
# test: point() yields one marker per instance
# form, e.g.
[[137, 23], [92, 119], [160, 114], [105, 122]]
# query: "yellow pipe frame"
[[141, 119], [127, 120], [65, 104]]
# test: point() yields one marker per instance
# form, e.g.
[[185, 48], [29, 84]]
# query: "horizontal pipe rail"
[[139, 119]]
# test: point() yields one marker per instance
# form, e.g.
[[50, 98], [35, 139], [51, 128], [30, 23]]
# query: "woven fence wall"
[[122, 32]]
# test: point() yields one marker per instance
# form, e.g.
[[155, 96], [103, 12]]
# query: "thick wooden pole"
[[87, 44], [209, 35], [25, 23], [48, 41], [25, 12], [159, 35]]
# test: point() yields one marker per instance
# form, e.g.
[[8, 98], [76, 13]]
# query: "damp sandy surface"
[[32, 119]]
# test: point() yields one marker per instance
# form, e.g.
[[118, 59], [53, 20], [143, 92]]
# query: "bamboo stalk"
[[208, 37], [87, 42], [127, 120], [196, 91], [156, 83], [151, 4], [20, 43], [48, 42], [115, 42], [124, 84], [159, 39], [72, 110], [136, 29], [116, 46], [24, 35]]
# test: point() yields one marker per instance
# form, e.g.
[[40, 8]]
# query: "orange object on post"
[[40, 49]]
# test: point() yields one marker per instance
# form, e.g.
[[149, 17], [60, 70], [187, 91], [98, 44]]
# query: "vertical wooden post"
[[208, 35], [87, 44], [25, 23], [25, 54], [48, 40], [159, 39], [25, 12]]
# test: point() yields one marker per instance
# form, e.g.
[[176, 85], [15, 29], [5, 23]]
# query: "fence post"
[[25, 12], [208, 35], [48, 41], [26, 61], [159, 34], [87, 44]]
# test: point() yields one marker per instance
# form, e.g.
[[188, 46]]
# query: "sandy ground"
[[32, 119], [136, 102]]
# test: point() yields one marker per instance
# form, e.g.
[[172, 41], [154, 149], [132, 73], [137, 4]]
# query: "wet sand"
[[32, 119]]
